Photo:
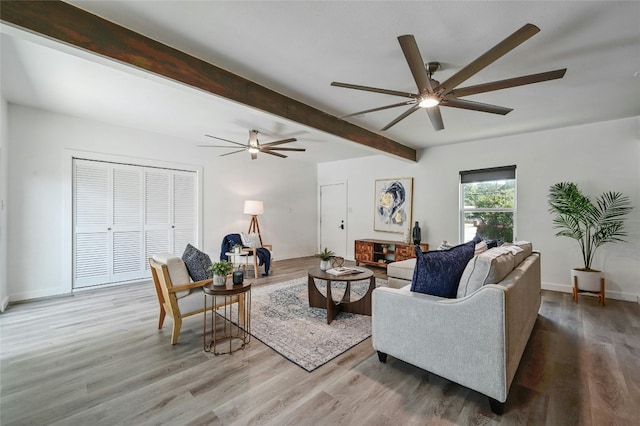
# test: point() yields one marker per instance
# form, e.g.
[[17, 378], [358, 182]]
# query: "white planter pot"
[[587, 280], [219, 280], [324, 265]]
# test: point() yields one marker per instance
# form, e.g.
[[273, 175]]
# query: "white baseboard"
[[4, 304], [617, 295]]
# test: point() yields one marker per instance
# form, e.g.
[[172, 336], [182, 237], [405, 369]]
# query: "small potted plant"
[[220, 271], [236, 249], [590, 223], [325, 256], [385, 248]]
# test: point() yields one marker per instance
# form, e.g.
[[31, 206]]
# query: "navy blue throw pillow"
[[438, 272], [197, 263]]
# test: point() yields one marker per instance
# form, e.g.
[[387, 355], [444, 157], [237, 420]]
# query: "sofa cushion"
[[438, 272], [197, 263], [402, 269], [489, 267], [177, 270], [481, 247], [445, 245], [526, 250]]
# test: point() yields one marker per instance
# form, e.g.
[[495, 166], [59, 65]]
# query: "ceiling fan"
[[432, 94], [254, 146]]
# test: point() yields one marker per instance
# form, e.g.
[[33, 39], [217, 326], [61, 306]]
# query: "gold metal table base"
[[235, 328]]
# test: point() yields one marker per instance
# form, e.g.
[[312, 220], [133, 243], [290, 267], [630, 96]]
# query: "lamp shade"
[[253, 207]]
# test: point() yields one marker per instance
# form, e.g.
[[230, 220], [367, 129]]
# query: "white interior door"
[[184, 210], [128, 260], [333, 218], [92, 223]]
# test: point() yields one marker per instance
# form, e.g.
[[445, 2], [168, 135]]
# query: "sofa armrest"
[[462, 339]]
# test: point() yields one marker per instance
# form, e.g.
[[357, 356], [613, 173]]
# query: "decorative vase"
[[588, 280], [324, 265], [417, 234], [238, 277], [219, 280]]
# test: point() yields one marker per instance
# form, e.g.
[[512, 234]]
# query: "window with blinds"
[[123, 214]]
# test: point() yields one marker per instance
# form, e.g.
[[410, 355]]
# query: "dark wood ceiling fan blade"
[[492, 55], [284, 149], [436, 118], [226, 140], [401, 117], [374, 89], [416, 64], [268, 151], [509, 82], [232, 152], [476, 106], [279, 142], [380, 108]]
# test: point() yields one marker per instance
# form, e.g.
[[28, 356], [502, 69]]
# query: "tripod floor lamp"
[[254, 208]]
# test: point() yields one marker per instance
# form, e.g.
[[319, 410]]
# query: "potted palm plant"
[[220, 271], [325, 256], [590, 223]]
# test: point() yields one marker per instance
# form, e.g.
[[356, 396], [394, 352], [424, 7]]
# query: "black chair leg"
[[496, 406], [382, 357]]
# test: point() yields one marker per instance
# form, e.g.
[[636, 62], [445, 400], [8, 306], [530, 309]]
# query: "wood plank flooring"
[[98, 358]]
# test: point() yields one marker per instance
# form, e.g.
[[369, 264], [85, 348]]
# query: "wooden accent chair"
[[250, 243], [178, 296], [254, 257]]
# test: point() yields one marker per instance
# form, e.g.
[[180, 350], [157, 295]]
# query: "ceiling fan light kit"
[[429, 101], [254, 147], [432, 94]]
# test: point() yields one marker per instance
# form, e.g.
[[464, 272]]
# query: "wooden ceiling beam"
[[74, 26]]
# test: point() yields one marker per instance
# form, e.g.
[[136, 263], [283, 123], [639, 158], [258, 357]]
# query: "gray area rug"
[[282, 319]]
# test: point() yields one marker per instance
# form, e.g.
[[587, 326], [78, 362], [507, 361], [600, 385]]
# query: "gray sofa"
[[476, 339]]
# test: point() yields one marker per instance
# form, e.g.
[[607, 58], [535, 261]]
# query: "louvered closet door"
[[184, 210], [127, 234], [157, 226], [124, 214], [108, 238], [92, 239]]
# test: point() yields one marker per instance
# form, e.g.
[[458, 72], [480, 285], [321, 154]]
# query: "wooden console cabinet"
[[372, 252]]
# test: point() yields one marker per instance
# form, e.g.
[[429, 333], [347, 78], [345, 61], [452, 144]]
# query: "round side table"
[[236, 327], [237, 260]]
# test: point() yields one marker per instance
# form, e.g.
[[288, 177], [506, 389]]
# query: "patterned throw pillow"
[[251, 240], [197, 263], [438, 272]]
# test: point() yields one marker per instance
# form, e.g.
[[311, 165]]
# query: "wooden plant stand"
[[577, 291]]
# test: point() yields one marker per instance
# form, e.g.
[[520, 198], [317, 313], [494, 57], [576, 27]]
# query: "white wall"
[[4, 179], [598, 157], [39, 181]]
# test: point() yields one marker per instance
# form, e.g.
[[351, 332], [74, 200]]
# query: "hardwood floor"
[[97, 358]]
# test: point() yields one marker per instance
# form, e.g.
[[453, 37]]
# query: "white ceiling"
[[298, 48]]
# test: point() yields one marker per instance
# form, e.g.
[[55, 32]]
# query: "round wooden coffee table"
[[318, 300]]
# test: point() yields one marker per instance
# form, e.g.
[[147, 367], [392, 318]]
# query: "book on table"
[[343, 271]]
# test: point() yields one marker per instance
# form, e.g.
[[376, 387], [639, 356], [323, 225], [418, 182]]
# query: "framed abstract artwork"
[[393, 201]]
